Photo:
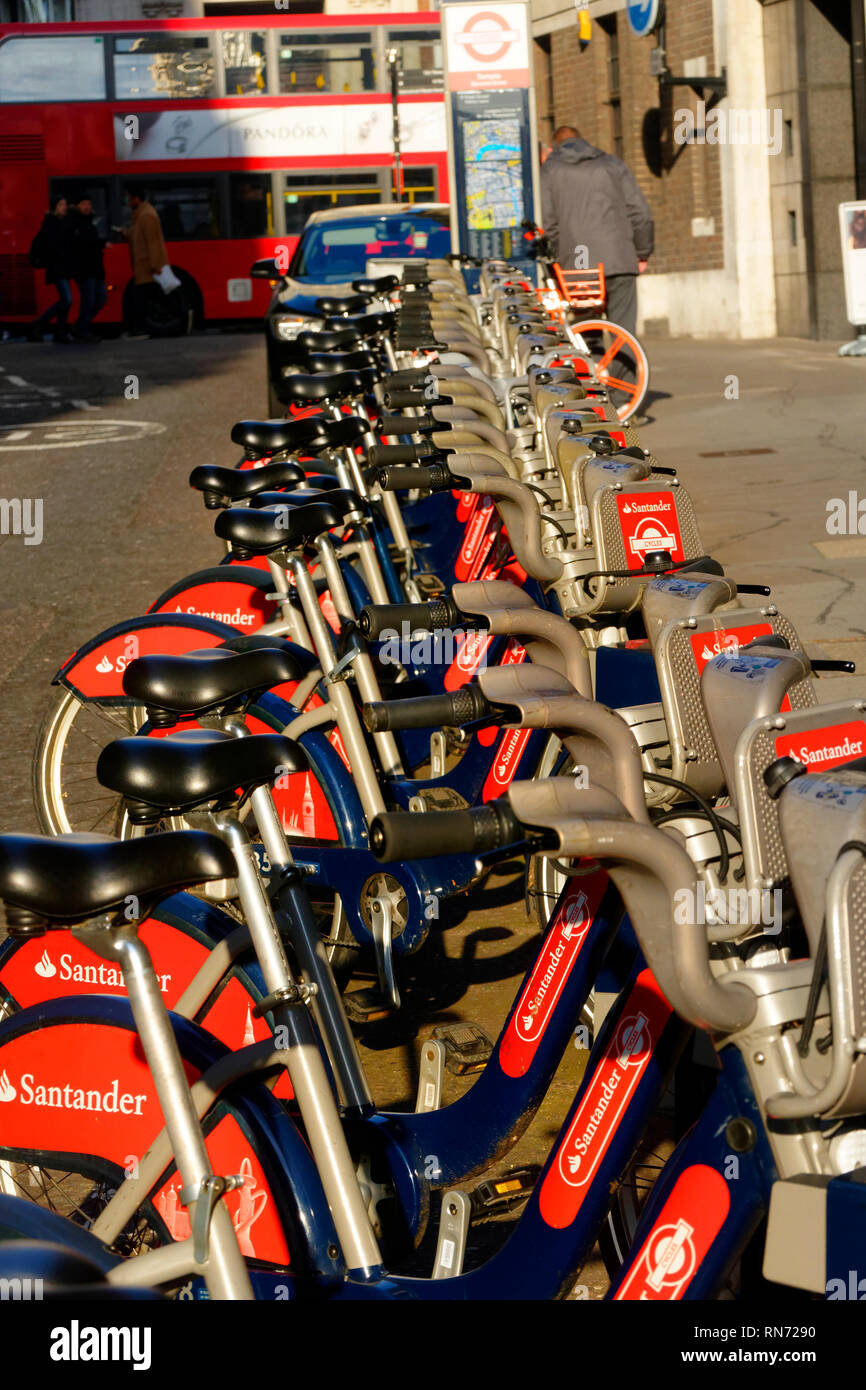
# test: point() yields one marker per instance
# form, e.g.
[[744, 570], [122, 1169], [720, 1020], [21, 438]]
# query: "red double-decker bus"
[[238, 129]]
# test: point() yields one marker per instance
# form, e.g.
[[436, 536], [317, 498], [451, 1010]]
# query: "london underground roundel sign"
[[643, 16]]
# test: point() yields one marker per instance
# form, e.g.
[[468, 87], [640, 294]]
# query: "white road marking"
[[52, 392], [71, 434]]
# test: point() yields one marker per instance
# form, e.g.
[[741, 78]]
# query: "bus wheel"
[[169, 315]]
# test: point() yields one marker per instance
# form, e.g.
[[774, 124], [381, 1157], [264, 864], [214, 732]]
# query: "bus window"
[[244, 62], [306, 193], [250, 207], [419, 184], [335, 62], [71, 68], [421, 54], [188, 208], [163, 65]]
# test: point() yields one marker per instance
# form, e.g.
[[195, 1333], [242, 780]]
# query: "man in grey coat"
[[591, 200]]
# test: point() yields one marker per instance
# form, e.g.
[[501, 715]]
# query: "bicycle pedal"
[[494, 1196], [367, 1006], [467, 1047], [430, 585]]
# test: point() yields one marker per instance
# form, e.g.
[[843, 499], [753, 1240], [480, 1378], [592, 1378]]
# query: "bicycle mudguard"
[[95, 670], [233, 594], [180, 934], [23, 1220], [74, 1086]]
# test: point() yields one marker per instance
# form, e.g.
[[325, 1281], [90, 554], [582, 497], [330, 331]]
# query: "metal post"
[[393, 56]]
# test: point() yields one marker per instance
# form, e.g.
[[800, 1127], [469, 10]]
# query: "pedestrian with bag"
[[88, 267], [149, 259], [594, 213], [50, 251]]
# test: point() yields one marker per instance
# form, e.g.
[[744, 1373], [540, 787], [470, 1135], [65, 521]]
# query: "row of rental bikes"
[[460, 617]]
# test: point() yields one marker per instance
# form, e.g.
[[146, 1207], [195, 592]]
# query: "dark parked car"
[[335, 248]]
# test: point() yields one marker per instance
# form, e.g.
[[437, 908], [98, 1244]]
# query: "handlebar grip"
[[375, 618], [428, 834], [435, 478], [404, 424], [427, 711], [394, 455], [406, 399]]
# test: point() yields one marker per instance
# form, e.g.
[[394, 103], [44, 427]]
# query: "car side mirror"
[[266, 269]]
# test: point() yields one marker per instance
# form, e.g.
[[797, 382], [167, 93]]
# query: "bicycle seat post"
[[362, 664], [339, 696], [287, 1002]]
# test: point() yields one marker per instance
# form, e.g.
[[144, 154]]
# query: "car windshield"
[[334, 251]]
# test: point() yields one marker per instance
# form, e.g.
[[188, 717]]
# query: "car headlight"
[[288, 326]]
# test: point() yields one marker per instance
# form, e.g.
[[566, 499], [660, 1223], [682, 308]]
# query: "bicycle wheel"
[[619, 361], [80, 1192], [66, 793]]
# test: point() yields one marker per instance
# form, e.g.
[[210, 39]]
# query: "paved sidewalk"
[[764, 514]]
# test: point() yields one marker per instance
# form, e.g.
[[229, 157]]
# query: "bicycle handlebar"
[[375, 618], [385, 455], [428, 711], [428, 834], [436, 477]]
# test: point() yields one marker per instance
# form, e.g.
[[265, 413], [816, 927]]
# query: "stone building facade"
[[744, 189]]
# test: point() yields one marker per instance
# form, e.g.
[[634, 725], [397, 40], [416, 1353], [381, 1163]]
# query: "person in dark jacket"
[[594, 213], [51, 250], [88, 268]]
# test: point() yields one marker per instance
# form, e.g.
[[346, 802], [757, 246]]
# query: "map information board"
[[494, 174]]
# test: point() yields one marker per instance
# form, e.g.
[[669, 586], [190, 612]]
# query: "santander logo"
[[821, 749], [506, 761], [111, 1101], [473, 531], [543, 990], [45, 966], [724, 641], [605, 1095], [648, 524], [105, 666]]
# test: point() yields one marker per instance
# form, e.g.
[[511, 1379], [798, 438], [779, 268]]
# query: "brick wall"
[[680, 182]]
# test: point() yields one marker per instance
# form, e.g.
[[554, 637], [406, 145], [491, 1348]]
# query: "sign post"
[[492, 135], [852, 227]]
